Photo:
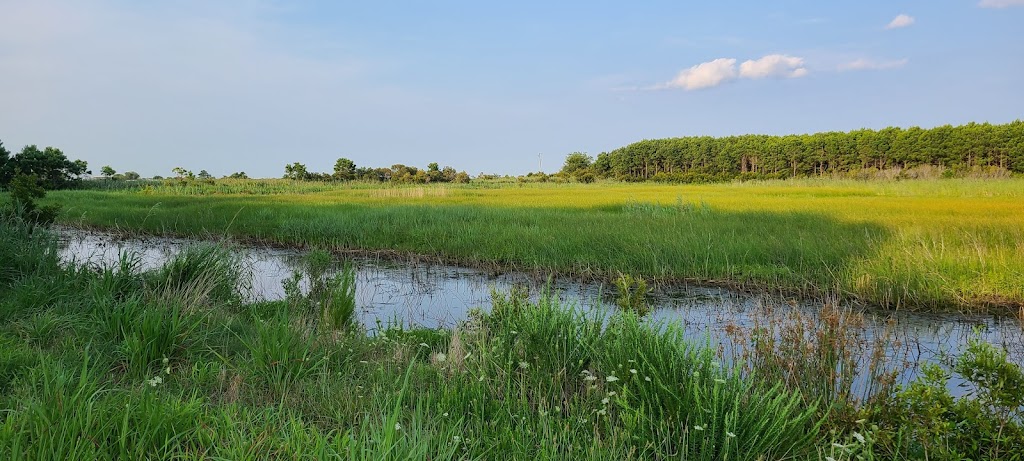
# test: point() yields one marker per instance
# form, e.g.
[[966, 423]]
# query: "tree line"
[[346, 170], [955, 149]]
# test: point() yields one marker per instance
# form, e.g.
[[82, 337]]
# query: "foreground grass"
[[119, 364], [115, 363], [943, 244]]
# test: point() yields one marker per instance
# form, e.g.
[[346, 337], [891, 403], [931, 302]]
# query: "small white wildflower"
[[602, 412], [456, 438], [731, 434], [166, 360], [524, 365], [167, 370], [514, 332], [605, 401], [829, 458], [698, 428], [398, 426], [441, 357], [838, 445], [647, 378], [632, 370], [611, 379], [858, 436], [481, 378], [155, 381], [590, 378], [631, 361]]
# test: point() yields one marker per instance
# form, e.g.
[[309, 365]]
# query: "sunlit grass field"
[[927, 245]]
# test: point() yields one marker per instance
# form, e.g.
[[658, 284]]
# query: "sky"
[[486, 87]]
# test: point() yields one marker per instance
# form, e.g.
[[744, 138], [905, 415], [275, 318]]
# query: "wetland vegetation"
[[180, 361], [951, 244]]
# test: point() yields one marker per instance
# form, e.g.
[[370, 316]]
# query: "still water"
[[440, 296]]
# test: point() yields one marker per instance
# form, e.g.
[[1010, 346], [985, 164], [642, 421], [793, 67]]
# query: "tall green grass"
[[925, 245], [98, 363]]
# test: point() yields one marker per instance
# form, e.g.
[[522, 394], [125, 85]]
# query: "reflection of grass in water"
[[908, 244]]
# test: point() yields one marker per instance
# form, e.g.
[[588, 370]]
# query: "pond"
[[440, 296]]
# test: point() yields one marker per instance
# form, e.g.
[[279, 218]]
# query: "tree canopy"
[[705, 158], [50, 166]]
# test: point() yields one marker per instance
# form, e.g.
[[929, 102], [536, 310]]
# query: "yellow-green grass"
[[901, 244]]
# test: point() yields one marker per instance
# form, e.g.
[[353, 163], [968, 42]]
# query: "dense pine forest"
[[972, 149]]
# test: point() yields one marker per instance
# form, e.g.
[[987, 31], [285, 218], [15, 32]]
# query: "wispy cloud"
[[1000, 3], [774, 65], [906, 21], [870, 64], [722, 70]]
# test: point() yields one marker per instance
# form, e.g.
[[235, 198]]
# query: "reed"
[[935, 245]]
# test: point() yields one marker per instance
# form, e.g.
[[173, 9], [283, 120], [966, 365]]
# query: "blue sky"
[[483, 86]]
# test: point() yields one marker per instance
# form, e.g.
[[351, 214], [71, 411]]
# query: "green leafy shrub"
[[987, 422]]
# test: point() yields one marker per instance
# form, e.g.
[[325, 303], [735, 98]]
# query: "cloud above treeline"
[[901, 21], [722, 70], [1000, 3]]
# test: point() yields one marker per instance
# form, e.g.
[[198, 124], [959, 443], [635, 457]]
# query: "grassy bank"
[[118, 363], [943, 244]]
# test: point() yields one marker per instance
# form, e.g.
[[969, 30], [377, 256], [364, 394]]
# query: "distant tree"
[[434, 173], [448, 174], [461, 177], [158, 177], [204, 175], [239, 175], [53, 169], [344, 169], [575, 163], [181, 173], [131, 175], [5, 156], [107, 171], [296, 171]]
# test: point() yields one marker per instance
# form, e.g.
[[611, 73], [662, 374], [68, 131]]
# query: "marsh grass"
[[923, 245], [827, 355], [134, 377], [199, 276]]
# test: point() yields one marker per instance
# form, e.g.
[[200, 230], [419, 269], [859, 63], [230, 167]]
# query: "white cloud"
[[870, 64], [906, 21], [705, 75], [723, 70], [773, 65], [1000, 3]]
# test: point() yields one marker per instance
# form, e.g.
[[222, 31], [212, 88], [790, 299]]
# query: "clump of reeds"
[[330, 296], [822, 354]]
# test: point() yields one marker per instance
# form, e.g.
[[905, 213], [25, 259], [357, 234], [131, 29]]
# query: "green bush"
[[987, 422]]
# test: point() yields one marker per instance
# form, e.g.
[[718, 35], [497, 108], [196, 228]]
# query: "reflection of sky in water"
[[441, 296]]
